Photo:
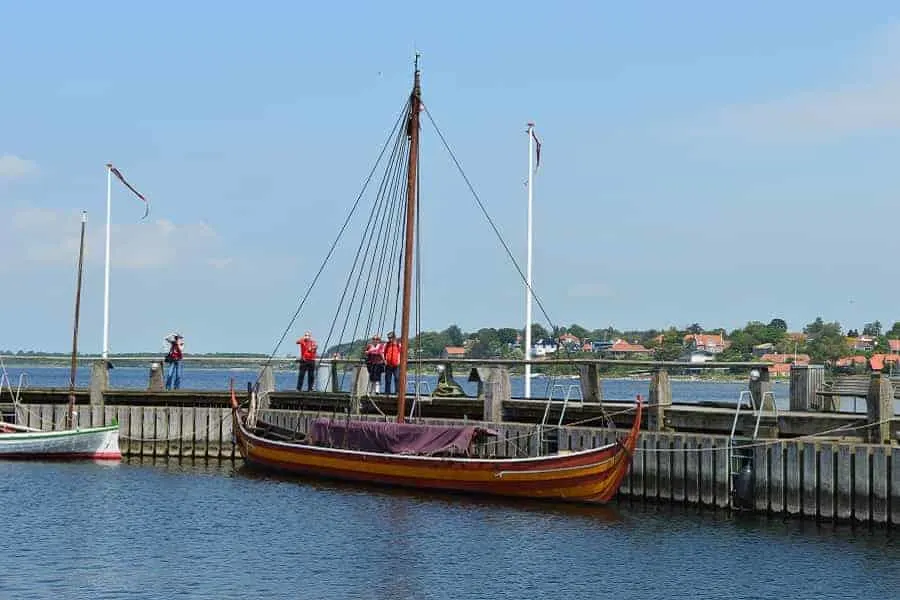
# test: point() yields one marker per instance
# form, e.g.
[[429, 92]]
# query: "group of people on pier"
[[382, 360]]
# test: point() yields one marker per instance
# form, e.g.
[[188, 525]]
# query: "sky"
[[702, 162]]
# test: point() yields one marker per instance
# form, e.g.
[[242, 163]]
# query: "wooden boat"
[[25, 443], [94, 443], [419, 455], [586, 476]]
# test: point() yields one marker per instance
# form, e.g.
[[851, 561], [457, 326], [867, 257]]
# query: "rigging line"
[[368, 327], [397, 134], [388, 255], [487, 216], [380, 293], [377, 245], [333, 244], [418, 262]]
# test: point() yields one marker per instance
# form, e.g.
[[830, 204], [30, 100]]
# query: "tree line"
[[822, 341]]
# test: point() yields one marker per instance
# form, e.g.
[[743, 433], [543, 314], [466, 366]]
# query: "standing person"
[[174, 357], [375, 363], [391, 363], [308, 349]]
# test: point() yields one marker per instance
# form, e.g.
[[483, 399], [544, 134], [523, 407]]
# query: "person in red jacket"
[[375, 363], [308, 349], [391, 363]]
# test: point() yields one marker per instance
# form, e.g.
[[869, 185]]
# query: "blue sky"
[[702, 162]]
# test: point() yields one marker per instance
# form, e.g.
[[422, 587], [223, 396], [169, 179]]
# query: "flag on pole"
[[537, 149], [118, 174]]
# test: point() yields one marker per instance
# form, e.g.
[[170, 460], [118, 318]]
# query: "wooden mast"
[[412, 131], [70, 413]]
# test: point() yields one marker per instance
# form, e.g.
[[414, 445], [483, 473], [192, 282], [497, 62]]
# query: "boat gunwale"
[[35, 435]]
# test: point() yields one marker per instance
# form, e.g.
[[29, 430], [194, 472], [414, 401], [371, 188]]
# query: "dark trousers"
[[390, 373], [306, 366]]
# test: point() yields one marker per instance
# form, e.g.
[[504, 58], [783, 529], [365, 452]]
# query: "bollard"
[[496, 392], [660, 399], [591, 384], [880, 408], [761, 389], [157, 380], [99, 382]]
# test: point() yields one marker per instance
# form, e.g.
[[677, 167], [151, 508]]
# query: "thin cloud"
[[868, 100], [13, 167], [50, 237]]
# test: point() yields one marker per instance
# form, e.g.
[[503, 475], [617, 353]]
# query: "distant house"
[[763, 349], [713, 343], [894, 346], [850, 362], [600, 346], [863, 343], [453, 352], [797, 359], [543, 347], [622, 349], [696, 356], [879, 362], [568, 340]]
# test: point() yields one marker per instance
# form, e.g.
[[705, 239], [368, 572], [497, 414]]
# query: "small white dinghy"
[[26, 443], [71, 443]]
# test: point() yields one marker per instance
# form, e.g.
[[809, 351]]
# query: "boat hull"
[[592, 476], [96, 443]]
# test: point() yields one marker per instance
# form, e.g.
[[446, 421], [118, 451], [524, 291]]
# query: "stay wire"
[[487, 216], [333, 244], [396, 135]]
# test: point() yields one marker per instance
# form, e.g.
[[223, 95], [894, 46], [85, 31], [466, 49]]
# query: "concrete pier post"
[[591, 386], [879, 408], [266, 386], [660, 399], [99, 382], [157, 381], [761, 389], [806, 380], [497, 390]]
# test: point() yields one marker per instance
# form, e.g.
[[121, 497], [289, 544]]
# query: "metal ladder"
[[740, 458], [417, 390], [549, 442]]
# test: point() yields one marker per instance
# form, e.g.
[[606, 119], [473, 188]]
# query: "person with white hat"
[[174, 357]]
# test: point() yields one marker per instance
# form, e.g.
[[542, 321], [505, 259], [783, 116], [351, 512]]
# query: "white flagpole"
[[105, 353], [530, 132]]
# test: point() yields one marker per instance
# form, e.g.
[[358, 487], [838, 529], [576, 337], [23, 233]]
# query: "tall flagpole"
[[105, 353], [528, 267]]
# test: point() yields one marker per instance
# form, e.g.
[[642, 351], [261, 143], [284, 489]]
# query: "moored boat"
[[417, 455], [592, 475], [94, 443], [72, 443]]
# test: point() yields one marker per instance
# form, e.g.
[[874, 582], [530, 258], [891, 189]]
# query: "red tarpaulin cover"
[[396, 438]]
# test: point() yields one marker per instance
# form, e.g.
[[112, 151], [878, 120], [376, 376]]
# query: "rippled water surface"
[[212, 530]]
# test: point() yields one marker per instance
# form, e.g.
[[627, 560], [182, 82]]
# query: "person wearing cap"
[[308, 349], [375, 363], [174, 357], [391, 363]]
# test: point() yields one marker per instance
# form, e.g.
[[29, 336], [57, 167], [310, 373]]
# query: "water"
[[683, 391], [151, 530]]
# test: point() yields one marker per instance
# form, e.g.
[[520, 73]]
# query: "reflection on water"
[[209, 529]]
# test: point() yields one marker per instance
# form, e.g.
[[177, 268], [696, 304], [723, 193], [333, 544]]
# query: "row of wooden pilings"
[[820, 479]]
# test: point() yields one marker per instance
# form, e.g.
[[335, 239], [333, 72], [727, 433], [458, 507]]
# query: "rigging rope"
[[333, 244]]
